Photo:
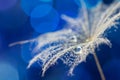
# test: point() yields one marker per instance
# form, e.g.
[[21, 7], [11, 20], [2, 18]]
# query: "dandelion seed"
[[80, 38]]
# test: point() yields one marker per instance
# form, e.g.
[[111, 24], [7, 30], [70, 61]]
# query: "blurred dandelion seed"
[[80, 38]]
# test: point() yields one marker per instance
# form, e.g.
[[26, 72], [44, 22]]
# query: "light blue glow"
[[47, 23], [7, 72], [41, 11], [89, 3]]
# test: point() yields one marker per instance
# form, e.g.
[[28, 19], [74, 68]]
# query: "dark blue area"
[[17, 24], [113, 71], [108, 1]]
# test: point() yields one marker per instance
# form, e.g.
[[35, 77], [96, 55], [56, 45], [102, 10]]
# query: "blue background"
[[26, 19]]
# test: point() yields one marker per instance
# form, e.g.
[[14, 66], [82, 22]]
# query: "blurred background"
[[26, 19]]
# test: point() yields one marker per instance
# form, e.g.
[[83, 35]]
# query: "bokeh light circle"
[[6, 4], [7, 72], [41, 11], [29, 5], [45, 21], [88, 3]]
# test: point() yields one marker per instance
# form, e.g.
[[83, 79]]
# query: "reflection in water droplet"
[[77, 50]]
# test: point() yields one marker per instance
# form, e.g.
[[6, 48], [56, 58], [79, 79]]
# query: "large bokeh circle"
[[44, 18]]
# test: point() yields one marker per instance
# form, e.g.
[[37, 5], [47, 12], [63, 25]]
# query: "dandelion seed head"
[[79, 39]]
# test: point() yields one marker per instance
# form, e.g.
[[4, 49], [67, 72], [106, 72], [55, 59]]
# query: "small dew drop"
[[74, 39], [77, 50]]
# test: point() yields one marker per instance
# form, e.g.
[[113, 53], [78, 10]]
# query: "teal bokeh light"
[[7, 72]]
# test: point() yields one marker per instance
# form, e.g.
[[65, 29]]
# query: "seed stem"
[[99, 67]]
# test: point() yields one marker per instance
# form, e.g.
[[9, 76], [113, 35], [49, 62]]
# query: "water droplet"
[[74, 39], [77, 49]]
